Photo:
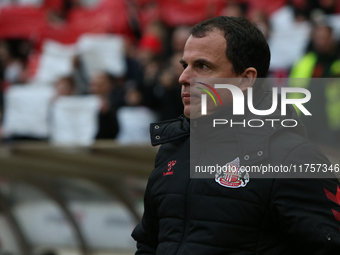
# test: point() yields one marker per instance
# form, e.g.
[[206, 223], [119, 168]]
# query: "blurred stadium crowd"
[[119, 61]]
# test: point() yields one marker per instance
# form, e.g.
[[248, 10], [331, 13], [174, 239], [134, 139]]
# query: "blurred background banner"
[[80, 83], [55, 62], [74, 120], [27, 111], [102, 52]]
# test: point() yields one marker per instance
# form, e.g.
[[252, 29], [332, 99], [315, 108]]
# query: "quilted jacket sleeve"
[[146, 232], [308, 210]]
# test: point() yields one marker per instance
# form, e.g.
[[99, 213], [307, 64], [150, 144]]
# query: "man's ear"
[[248, 78]]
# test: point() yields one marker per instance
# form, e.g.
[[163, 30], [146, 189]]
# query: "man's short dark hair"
[[246, 45]]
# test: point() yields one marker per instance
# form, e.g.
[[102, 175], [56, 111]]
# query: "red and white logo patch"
[[170, 165], [232, 176]]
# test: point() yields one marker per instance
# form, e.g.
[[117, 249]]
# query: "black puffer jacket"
[[274, 216]]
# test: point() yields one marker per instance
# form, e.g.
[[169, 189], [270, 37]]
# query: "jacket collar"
[[169, 130]]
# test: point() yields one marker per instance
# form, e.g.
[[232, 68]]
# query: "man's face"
[[204, 58]]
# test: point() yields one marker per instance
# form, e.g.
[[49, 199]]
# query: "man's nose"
[[184, 79]]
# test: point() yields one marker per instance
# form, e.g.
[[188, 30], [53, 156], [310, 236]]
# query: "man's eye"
[[184, 66], [203, 66]]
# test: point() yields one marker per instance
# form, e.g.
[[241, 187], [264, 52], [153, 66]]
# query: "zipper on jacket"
[[187, 207], [187, 210]]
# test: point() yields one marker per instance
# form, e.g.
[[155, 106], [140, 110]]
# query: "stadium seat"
[[108, 16], [267, 6], [65, 34], [21, 22], [190, 12]]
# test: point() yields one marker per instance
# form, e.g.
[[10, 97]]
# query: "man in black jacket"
[[226, 215]]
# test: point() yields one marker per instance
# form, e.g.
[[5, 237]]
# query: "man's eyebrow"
[[200, 60], [203, 61]]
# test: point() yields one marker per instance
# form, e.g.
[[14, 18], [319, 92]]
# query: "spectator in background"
[[65, 86], [306, 9], [232, 9], [148, 54], [12, 66], [168, 92], [134, 68], [134, 119], [322, 57], [301, 9], [321, 61], [179, 38], [133, 97], [80, 75], [150, 46], [261, 20], [163, 87], [168, 89], [326, 6], [102, 85]]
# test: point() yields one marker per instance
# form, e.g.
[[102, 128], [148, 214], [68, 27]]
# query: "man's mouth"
[[185, 95], [188, 95]]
